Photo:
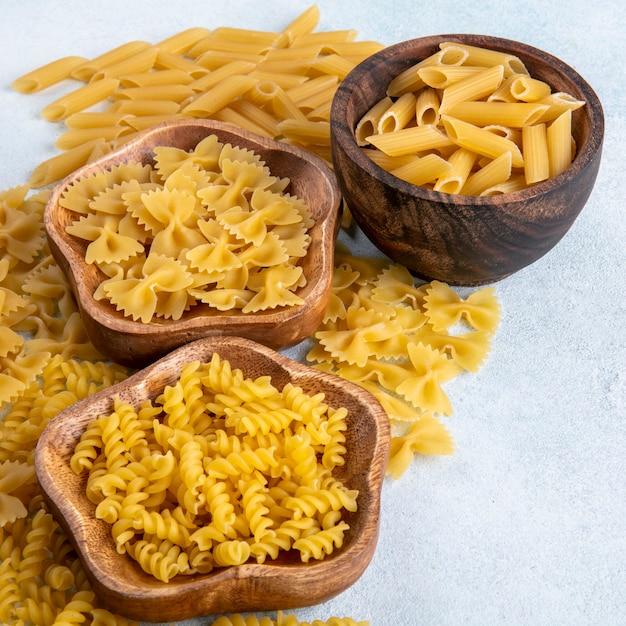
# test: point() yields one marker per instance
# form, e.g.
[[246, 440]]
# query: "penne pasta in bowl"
[[488, 171]]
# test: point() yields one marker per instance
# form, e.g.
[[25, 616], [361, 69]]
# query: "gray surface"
[[525, 523]]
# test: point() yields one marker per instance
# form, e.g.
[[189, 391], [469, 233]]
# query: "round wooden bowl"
[[120, 583], [461, 240], [135, 343]]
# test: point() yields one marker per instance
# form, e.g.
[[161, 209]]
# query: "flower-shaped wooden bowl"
[[136, 343], [461, 240], [125, 588]]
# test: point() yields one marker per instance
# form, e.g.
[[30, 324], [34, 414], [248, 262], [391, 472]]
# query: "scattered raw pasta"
[[283, 619]]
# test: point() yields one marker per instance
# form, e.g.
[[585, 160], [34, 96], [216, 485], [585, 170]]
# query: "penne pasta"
[[314, 91], [410, 140], [47, 75], [323, 38], [494, 173], [488, 58], [515, 183], [305, 132], [79, 99], [333, 64], [398, 115], [535, 147], [140, 62], [146, 121], [157, 77], [461, 164], [75, 137], [214, 60], [183, 41], [514, 114], [442, 76], [472, 88], [219, 96], [173, 93], [480, 140], [263, 91], [86, 70], [422, 170], [284, 107], [351, 49], [167, 61], [559, 102], [529, 89], [559, 139], [286, 81], [368, 124], [212, 79], [144, 107], [94, 119], [385, 161], [321, 113], [303, 24], [230, 116], [262, 38], [427, 107], [257, 116]]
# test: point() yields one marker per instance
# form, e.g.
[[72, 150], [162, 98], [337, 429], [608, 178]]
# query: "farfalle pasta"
[[218, 470], [403, 342], [209, 226]]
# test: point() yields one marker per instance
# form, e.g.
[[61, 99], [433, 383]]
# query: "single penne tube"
[[146, 121], [216, 44], [408, 140], [305, 132], [157, 77], [422, 170], [442, 76], [332, 64], [263, 91], [168, 61], [386, 162], [480, 140], [313, 90], [558, 102], [427, 107], [352, 49], [322, 38], [321, 113], [222, 94], [286, 81], [263, 38], [494, 173], [183, 41], [535, 149], [409, 79], [503, 92], [230, 116], [474, 87], [287, 66], [398, 115], [140, 62], [487, 58], [94, 119], [75, 137], [515, 183], [60, 165], [461, 164], [559, 139], [529, 89], [291, 54], [86, 70], [47, 75], [215, 77], [284, 107], [144, 107], [513, 114], [507, 132], [303, 24], [257, 116], [174, 93], [214, 60], [368, 124], [80, 99]]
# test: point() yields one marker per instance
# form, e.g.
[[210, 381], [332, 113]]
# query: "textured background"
[[526, 522]]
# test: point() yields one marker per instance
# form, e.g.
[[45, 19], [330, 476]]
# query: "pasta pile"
[[283, 619], [218, 470], [402, 342], [471, 121], [276, 84], [210, 225]]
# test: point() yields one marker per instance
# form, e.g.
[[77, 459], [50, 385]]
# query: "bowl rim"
[[351, 560], [342, 135]]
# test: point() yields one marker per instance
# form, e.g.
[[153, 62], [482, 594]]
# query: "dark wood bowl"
[[120, 583], [461, 240], [135, 343]]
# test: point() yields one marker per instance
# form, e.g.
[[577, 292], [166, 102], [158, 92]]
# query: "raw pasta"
[[498, 129], [207, 226], [239, 452]]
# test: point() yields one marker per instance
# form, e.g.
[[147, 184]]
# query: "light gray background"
[[525, 523]]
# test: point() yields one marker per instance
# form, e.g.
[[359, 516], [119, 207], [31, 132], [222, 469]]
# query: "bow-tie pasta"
[[209, 226]]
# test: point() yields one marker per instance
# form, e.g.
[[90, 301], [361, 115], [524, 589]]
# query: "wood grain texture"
[[461, 240], [135, 343], [123, 587]]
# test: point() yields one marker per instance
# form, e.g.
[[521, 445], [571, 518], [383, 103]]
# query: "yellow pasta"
[[79, 99], [47, 75], [140, 62], [487, 58], [368, 124], [410, 140], [474, 87], [536, 160], [219, 96], [461, 164], [442, 76], [529, 89], [86, 70], [423, 170], [427, 107], [398, 114], [183, 41], [515, 114], [303, 24], [495, 172], [559, 139]]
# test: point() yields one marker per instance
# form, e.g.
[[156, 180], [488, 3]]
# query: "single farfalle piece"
[[21, 233], [364, 328], [266, 209], [111, 200], [444, 307], [275, 288], [138, 297], [219, 254], [206, 155], [395, 285], [423, 388], [16, 479], [343, 279], [271, 251], [188, 179], [469, 350]]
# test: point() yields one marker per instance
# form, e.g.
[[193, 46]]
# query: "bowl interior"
[[310, 179], [284, 583]]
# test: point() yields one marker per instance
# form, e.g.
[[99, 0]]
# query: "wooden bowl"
[[122, 586], [136, 343], [461, 240]]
